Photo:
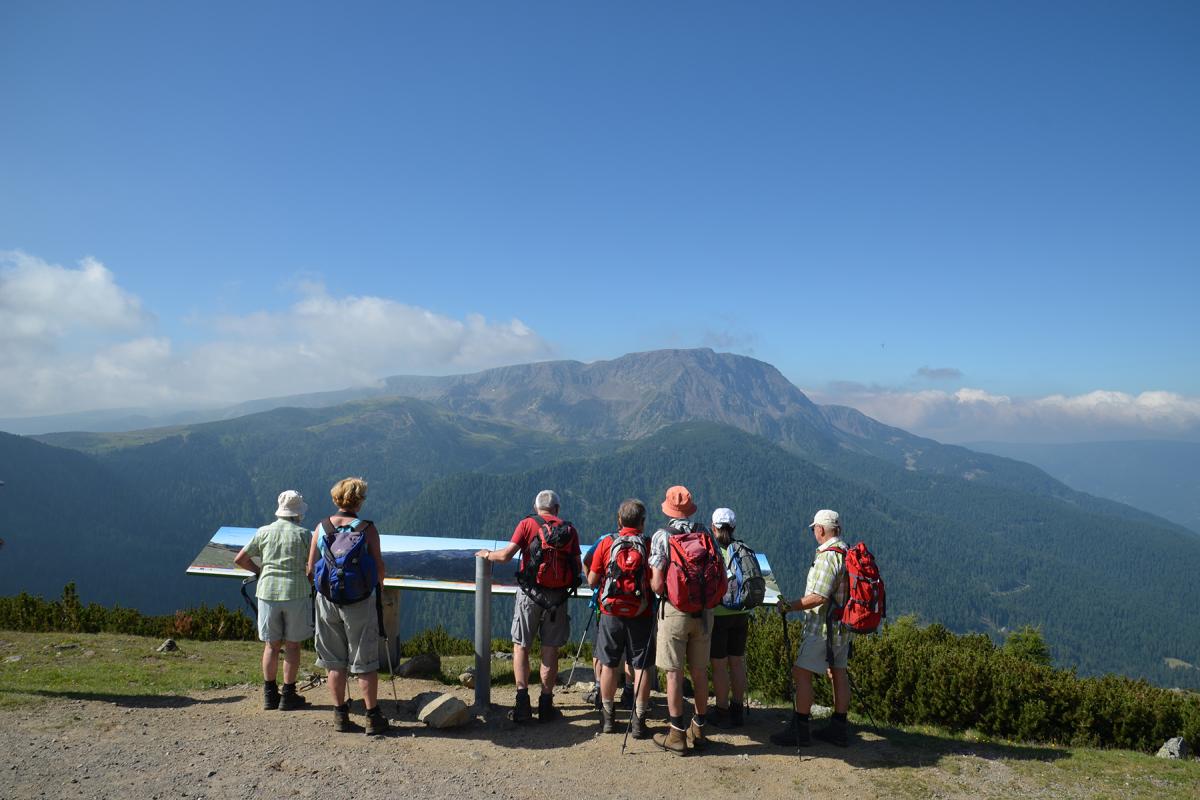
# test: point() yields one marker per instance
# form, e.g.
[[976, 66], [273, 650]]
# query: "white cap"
[[826, 519], [291, 504], [724, 516]]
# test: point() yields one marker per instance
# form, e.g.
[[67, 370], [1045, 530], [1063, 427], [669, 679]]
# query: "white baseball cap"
[[826, 519], [291, 504], [724, 516]]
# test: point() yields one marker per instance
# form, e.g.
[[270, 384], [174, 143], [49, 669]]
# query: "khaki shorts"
[[287, 620], [348, 636], [682, 637], [811, 655]]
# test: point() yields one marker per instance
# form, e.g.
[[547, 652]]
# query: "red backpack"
[[866, 605], [626, 589], [550, 562], [695, 573]]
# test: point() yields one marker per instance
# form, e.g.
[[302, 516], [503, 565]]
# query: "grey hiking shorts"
[[531, 621], [348, 636]]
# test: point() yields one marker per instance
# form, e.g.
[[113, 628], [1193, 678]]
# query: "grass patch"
[[114, 665]]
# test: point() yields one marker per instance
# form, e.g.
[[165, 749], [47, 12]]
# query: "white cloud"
[[975, 414], [40, 302], [78, 341]]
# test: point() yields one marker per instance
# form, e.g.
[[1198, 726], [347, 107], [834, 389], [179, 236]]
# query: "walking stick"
[[787, 648], [592, 607], [246, 597], [387, 643]]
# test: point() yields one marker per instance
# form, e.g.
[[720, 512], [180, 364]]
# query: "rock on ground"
[[424, 665], [446, 711], [1174, 748]]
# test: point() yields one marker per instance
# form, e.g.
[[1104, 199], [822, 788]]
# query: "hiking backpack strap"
[[832, 606]]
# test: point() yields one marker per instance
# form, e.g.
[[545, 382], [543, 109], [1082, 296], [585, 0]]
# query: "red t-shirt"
[[598, 559]]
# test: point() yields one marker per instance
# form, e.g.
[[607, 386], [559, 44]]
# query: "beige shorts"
[[812, 654], [683, 639]]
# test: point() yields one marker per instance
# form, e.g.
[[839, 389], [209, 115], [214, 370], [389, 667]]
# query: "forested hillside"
[[976, 542]]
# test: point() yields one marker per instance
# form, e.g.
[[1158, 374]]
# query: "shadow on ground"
[[138, 700]]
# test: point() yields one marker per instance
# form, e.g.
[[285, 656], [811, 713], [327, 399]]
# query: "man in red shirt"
[[540, 610], [620, 573]]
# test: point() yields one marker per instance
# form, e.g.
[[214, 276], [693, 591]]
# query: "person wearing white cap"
[[285, 617], [727, 645], [818, 654]]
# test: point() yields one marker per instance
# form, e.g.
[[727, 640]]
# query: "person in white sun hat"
[[285, 617]]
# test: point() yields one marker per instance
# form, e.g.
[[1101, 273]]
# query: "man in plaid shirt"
[[821, 650]]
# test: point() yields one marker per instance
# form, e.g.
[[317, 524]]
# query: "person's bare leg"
[[642, 682], [549, 670], [804, 689], [291, 661], [720, 679], [841, 690], [700, 686], [521, 665], [270, 660], [737, 675], [369, 686], [608, 684], [675, 692], [337, 686]]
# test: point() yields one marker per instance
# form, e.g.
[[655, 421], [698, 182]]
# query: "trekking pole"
[[638, 683], [387, 643], [579, 651], [861, 698], [246, 597], [787, 649]]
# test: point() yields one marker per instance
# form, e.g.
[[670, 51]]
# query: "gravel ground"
[[220, 744]]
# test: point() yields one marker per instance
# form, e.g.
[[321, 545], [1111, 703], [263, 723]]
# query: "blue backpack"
[[346, 572], [747, 587]]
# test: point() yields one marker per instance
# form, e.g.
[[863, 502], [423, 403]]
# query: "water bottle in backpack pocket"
[[346, 572]]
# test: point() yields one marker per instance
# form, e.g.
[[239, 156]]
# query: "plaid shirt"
[[282, 549], [826, 577]]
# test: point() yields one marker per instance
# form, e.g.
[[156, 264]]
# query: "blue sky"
[[1008, 193]]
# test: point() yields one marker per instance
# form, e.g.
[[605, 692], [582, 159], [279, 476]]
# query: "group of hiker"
[[677, 599]]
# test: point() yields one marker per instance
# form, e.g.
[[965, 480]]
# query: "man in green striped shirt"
[[818, 653]]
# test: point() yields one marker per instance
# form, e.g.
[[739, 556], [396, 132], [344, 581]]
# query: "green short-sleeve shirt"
[[282, 549]]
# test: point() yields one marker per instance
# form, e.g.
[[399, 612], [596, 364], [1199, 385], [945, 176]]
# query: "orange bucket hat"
[[678, 503]]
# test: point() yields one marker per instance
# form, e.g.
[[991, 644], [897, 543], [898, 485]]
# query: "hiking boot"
[[836, 733], [342, 722], [797, 734], [546, 710], [522, 711], [289, 700], [673, 740], [270, 695], [719, 717], [637, 727], [627, 698], [737, 715], [592, 697], [607, 724], [695, 736], [377, 723]]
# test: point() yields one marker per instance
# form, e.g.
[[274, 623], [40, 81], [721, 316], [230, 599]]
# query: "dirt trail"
[[220, 744]]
